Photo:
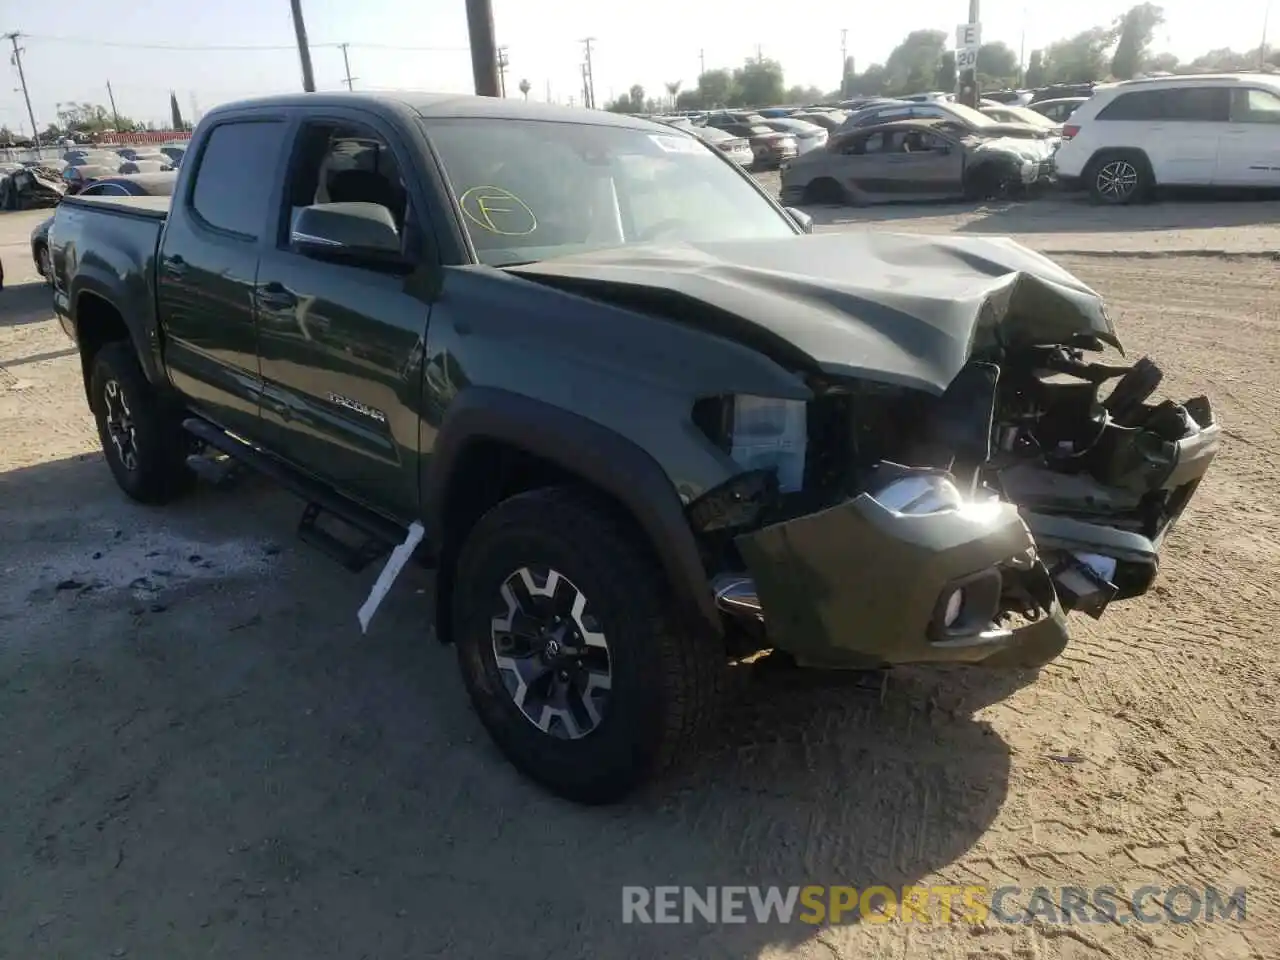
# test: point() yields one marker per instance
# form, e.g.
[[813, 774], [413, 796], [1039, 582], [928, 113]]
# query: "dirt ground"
[[202, 756]]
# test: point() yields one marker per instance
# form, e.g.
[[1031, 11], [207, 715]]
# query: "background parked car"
[[175, 152], [809, 136], [966, 117], [1202, 130], [1011, 113], [829, 120], [769, 146], [80, 176], [144, 184], [737, 149], [1057, 110], [913, 160]]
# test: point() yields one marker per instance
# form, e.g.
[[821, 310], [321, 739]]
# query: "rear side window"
[[1138, 105], [236, 174]]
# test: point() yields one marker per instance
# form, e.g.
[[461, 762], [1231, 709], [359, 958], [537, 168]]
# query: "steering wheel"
[[661, 227]]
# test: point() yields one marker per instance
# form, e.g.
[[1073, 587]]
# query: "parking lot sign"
[[968, 35]]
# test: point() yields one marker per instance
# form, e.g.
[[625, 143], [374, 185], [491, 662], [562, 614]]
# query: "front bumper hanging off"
[[870, 581]]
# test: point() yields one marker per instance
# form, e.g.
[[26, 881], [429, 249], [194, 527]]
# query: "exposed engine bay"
[[1098, 471]]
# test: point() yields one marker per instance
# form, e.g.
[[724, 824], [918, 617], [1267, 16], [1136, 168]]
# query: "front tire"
[[46, 265], [1116, 179], [569, 651], [824, 191], [141, 434]]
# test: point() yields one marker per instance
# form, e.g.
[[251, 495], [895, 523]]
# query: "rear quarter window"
[[235, 175]]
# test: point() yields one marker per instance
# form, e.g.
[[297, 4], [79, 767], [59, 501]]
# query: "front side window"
[[531, 190], [345, 163], [235, 175], [1253, 105]]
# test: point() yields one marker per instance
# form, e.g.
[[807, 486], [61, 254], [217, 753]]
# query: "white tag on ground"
[[395, 563]]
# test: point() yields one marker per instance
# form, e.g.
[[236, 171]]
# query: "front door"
[[207, 268], [1249, 155], [341, 344]]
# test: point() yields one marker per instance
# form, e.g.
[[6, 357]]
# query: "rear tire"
[[141, 433], [663, 683], [1119, 177], [46, 264], [825, 192]]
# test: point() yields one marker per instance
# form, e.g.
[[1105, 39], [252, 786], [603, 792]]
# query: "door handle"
[[175, 266], [276, 296]]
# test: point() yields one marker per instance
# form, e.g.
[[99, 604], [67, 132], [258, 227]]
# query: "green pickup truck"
[[644, 422]]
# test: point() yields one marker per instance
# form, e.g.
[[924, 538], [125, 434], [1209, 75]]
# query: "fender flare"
[[600, 456], [91, 280]]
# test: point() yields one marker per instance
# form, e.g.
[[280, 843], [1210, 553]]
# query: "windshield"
[[530, 189], [969, 115]]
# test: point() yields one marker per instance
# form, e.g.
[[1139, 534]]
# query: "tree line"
[[83, 121], [922, 62]]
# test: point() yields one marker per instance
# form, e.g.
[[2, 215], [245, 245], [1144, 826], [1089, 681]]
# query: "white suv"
[[1208, 130]]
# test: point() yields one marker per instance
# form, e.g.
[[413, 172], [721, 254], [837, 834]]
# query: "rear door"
[[341, 342], [208, 266], [1249, 155]]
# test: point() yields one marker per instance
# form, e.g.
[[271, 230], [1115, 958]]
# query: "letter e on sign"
[[968, 35]]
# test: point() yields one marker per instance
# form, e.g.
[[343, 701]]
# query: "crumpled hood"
[[896, 308]]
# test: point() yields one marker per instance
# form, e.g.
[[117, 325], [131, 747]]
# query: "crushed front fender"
[[860, 584]]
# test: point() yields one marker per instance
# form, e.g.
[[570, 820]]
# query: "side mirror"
[[802, 219], [359, 234]]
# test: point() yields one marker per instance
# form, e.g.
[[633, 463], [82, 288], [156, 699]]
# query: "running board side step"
[[380, 534]]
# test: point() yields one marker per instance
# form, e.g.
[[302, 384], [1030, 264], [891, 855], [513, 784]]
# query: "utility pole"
[[702, 62], [1022, 51], [115, 114], [484, 54], [22, 78], [844, 60], [1262, 47], [304, 51], [548, 91], [968, 78], [346, 65], [503, 63], [759, 54], [586, 95], [590, 89]]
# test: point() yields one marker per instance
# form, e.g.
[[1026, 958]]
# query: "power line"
[[234, 47]]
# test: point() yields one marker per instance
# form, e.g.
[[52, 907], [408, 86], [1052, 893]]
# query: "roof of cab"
[[446, 105]]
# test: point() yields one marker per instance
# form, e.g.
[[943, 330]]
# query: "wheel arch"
[[97, 318], [494, 443]]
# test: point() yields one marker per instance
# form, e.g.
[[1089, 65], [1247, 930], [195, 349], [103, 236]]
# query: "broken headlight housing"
[[759, 433]]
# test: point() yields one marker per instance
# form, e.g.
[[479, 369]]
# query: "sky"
[[147, 49]]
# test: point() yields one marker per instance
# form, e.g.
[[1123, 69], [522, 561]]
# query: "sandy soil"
[[202, 756]]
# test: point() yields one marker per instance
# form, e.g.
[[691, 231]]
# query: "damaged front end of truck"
[[958, 528], [965, 470]]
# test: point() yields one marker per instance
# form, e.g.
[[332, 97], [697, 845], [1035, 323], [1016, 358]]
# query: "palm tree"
[[525, 87], [673, 89]]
